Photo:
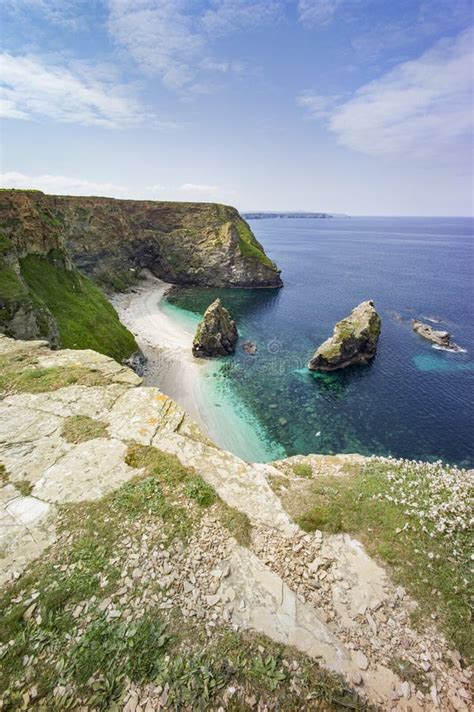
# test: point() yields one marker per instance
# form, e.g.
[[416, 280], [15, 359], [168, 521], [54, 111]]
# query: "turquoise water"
[[412, 400]]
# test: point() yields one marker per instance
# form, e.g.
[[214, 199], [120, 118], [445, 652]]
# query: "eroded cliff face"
[[50, 246], [109, 240]]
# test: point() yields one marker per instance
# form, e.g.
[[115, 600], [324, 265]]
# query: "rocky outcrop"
[[318, 592], [217, 334], [354, 340], [112, 240], [440, 338]]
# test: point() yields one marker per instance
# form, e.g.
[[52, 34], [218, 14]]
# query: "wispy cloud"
[[207, 192], [228, 15], [68, 14], [318, 12], [422, 107], [32, 89], [62, 185], [67, 185], [317, 105], [173, 39]]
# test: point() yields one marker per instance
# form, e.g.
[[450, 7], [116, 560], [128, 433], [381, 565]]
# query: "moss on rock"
[[354, 340]]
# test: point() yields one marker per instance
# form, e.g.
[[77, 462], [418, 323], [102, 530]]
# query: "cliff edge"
[[56, 251], [135, 554]]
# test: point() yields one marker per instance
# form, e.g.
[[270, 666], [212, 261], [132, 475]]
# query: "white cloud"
[[318, 12], [62, 185], [69, 14], [172, 38], [228, 15], [31, 89], [205, 192], [67, 185], [318, 105], [421, 107], [159, 35]]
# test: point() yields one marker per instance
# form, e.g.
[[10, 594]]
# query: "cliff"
[[46, 239], [107, 239]]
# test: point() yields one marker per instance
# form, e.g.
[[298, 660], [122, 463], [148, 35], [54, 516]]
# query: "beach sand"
[[166, 342]]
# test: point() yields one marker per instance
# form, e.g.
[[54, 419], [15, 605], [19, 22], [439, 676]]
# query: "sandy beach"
[[166, 342]]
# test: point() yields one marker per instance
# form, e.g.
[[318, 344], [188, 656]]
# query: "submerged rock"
[[249, 347], [440, 338], [217, 334], [354, 340]]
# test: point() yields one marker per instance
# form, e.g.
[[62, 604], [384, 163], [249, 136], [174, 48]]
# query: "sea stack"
[[217, 334], [354, 340]]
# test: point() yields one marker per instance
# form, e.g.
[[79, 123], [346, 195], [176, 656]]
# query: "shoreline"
[[166, 343]]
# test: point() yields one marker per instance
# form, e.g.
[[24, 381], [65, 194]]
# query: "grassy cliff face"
[[45, 240], [43, 296], [85, 319]]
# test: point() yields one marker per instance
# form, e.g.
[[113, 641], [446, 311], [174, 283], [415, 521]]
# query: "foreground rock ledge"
[[217, 334], [354, 340], [318, 592]]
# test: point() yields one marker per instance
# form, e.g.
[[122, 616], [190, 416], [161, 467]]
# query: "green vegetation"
[[303, 469], [414, 517], [237, 523], [59, 648], [85, 319], [249, 245], [3, 474], [79, 428], [116, 280], [200, 491], [11, 287], [24, 487], [19, 373]]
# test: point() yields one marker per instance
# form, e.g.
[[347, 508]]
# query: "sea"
[[412, 401]]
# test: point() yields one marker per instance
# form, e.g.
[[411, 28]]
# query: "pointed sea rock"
[[217, 334], [354, 340]]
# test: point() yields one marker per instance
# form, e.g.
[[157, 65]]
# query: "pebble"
[[361, 660]]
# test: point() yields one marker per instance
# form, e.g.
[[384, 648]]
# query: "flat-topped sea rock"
[[354, 340], [439, 338], [217, 334]]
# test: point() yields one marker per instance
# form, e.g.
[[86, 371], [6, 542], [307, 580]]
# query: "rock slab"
[[217, 334], [354, 340]]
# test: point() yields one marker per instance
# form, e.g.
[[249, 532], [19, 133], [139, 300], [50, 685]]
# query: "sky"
[[362, 107]]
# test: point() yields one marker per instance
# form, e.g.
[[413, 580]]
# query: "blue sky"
[[354, 106]]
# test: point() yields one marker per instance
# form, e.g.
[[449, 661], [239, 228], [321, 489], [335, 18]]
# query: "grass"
[[4, 478], [24, 487], [80, 428], [89, 661], [249, 245], [302, 469], [19, 373], [200, 491], [415, 518], [237, 523], [85, 319]]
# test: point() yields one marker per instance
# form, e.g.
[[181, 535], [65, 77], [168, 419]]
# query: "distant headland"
[[263, 215]]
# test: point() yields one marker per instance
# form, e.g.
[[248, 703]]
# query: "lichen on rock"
[[354, 340], [217, 334]]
